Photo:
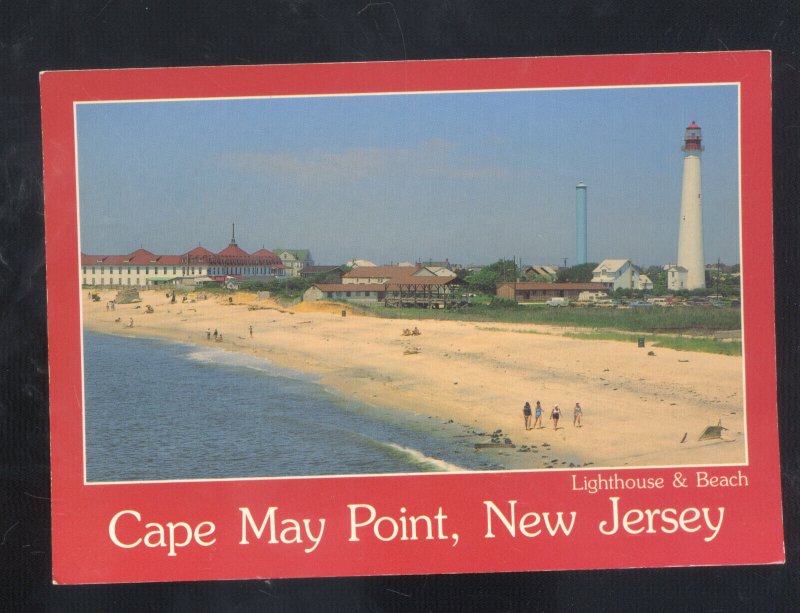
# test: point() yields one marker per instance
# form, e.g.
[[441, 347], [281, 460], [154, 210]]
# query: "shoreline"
[[637, 407]]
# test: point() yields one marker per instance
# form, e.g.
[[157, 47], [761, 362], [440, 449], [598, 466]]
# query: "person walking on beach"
[[215, 334], [208, 334], [555, 415], [526, 411], [576, 415], [538, 415], [251, 331]]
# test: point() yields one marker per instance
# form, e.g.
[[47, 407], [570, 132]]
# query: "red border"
[[82, 550]]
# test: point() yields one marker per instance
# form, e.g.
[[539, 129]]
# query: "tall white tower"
[[690, 238]]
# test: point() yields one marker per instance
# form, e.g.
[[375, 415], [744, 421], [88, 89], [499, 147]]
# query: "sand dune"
[[637, 407]]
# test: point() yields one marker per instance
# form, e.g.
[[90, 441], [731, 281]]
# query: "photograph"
[[418, 282]]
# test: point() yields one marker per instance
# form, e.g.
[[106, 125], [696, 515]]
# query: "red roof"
[[420, 280], [351, 287], [233, 251], [199, 252], [380, 272], [231, 255], [693, 126], [273, 259], [534, 285]]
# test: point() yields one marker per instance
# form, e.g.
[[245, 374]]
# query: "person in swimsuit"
[[577, 413], [538, 415], [526, 411], [555, 415]]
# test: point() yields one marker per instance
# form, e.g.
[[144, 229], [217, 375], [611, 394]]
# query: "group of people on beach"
[[555, 415], [218, 335]]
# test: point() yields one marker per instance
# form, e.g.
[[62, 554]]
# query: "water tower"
[[580, 223]]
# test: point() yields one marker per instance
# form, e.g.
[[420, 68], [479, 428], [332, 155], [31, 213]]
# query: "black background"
[[55, 35]]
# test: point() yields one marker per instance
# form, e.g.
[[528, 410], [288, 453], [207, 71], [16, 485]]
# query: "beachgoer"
[[415, 331], [108, 305], [577, 414], [526, 411], [538, 415], [555, 415], [215, 334], [130, 323], [113, 304], [208, 334], [251, 331]]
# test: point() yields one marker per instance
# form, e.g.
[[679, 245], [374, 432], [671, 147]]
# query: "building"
[[294, 260], [644, 283], [548, 272], [690, 237], [140, 268], [619, 274], [377, 274], [364, 293], [395, 286], [677, 277], [327, 274], [143, 268], [532, 291]]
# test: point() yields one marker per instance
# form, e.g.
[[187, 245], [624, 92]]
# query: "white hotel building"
[[143, 268]]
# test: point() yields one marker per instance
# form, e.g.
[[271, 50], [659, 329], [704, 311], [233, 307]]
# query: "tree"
[[486, 280], [581, 273], [659, 278]]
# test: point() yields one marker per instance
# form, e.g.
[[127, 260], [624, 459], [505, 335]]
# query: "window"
[[348, 294], [84, 270], [102, 269], [84, 280], [129, 270], [147, 270], [92, 272], [129, 280], [174, 270], [137, 272], [92, 280], [101, 280]]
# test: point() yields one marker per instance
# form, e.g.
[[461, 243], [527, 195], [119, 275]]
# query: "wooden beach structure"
[[396, 287]]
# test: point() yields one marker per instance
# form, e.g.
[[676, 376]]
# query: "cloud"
[[432, 158]]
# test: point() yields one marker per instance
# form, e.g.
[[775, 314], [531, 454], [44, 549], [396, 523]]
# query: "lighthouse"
[[580, 226], [690, 237]]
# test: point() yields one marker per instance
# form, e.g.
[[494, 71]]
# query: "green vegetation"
[[679, 343], [686, 320], [486, 280], [285, 289], [676, 342], [581, 273]]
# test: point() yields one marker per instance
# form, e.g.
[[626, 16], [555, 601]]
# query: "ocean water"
[[156, 410]]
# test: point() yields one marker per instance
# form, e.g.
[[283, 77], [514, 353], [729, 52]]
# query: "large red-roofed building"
[[143, 268]]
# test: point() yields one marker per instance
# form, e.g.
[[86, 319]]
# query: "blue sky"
[[472, 177]]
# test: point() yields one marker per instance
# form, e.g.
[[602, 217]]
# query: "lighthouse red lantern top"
[[692, 140]]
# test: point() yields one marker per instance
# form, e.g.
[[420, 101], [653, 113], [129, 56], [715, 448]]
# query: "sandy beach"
[[637, 408]]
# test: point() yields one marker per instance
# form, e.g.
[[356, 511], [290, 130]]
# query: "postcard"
[[411, 317]]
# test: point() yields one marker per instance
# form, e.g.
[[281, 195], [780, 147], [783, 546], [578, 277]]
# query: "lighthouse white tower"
[[690, 238]]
